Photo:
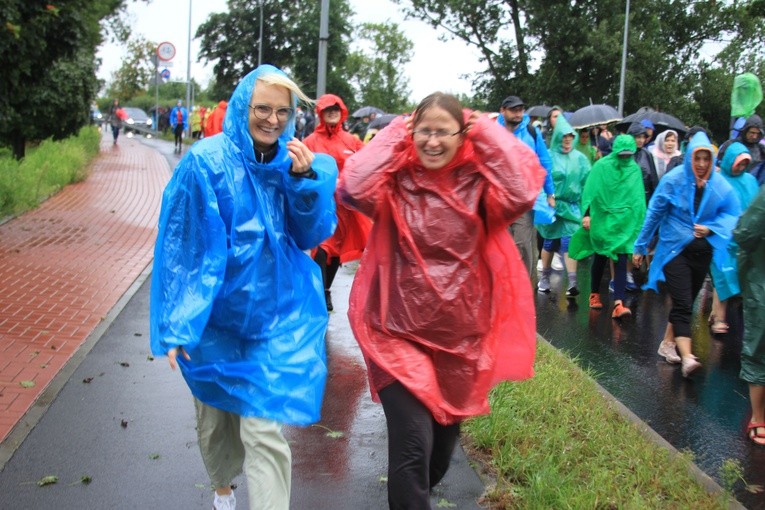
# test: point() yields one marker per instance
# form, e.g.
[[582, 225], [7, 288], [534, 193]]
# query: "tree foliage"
[[377, 72], [136, 73], [569, 53], [48, 55], [290, 42]]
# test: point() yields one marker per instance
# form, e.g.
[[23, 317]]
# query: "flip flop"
[[752, 434]]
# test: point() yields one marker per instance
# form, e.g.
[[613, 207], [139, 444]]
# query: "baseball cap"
[[625, 152], [647, 124], [512, 102]]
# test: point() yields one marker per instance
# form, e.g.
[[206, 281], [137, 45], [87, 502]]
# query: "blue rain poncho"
[[231, 283], [671, 211], [745, 185]]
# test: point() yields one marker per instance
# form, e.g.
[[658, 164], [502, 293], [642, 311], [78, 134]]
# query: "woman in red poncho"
[[350, 237], [441, 305]]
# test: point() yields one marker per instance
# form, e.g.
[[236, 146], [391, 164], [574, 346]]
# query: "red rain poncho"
[[441, 301], [353, 228]]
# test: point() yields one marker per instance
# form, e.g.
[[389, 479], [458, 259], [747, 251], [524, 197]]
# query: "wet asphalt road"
[[130, 428], [705, 415]]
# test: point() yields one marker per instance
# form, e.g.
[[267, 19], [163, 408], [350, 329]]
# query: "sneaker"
[[539, 265], [595, 302], [328, 297], [544, 284], [690, 365], [572, 291], [557, 262], [668, 350], [620, 311], [227, 502], [631, 285], [611, 286]]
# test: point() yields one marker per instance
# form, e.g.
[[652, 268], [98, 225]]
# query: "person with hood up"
[[514, 119], [694, 210], [179, 122], [644, 159], [726, 283], [614, 208], [235, 300], [569, 171], [750, 238], [214, 122], [751, 137], [441, 305], [585, 146], [663, 150], [350, 237]]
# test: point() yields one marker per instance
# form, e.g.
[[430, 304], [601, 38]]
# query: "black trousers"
[[419, 448], [178, 132], [684, 276], [328, 265], [620, 277]]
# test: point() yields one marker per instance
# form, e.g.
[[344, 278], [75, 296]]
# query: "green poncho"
[[615, 197], [569, 173]]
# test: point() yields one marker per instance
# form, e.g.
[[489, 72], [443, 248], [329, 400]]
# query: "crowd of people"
[[449, 211]]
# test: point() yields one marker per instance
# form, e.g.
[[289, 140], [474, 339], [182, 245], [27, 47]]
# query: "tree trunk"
[[515, 13], [18, 145]]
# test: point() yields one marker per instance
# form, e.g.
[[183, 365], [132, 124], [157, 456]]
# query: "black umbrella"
[[540, 110], [661, 121], [381, 121], [594, 115], [366, 111]]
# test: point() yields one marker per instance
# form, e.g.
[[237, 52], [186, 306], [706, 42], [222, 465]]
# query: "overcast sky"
[[435, 65]]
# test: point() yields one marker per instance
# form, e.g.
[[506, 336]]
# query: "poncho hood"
[[562, 128], [324, 102]]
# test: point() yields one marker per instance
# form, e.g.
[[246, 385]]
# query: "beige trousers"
[[229, 443]]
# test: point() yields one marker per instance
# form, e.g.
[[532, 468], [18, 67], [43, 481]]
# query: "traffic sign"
[[165, 74], [166, 51]]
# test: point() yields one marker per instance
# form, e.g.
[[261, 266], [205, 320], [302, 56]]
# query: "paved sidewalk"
[[65, 265]]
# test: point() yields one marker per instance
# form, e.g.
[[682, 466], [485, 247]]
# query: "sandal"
[[751, 432], [719, 327]]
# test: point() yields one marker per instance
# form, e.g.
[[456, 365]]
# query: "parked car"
[[96, 117], [136, 118]]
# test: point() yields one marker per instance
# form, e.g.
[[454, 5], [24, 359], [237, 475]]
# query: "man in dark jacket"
[[644, 159], [751, 136], [512, 115]]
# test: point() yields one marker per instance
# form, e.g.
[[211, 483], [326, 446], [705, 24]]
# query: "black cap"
[[512, 102]]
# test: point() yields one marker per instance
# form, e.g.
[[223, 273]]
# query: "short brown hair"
[[446, 101]]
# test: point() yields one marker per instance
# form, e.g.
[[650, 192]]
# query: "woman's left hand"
[[701, 231], [301, 156]]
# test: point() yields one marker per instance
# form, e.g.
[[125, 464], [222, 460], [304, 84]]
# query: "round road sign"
[[166, 51]]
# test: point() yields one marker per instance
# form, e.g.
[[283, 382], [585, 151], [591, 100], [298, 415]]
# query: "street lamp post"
[[623, 78], [321, 74], [260, 35], [188, 76]]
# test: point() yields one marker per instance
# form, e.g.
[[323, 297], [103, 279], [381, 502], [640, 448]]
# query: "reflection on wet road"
[[705, 415]]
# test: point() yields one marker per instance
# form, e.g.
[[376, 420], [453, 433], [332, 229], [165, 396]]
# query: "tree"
[[136, 72], [48, 80], [290, 42], [378, 78]]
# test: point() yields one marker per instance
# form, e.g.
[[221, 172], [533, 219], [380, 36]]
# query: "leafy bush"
[[45, 170]]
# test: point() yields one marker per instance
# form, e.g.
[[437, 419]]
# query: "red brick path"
[[64, 265]]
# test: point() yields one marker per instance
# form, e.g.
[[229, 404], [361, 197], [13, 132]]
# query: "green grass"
[[553, 441], [45, 170]]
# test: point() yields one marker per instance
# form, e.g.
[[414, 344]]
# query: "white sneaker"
[[669, 351], [227, 502], [557, 262], [539, 265], [690, 365]]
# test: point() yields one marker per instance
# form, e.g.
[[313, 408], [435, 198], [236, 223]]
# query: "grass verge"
[[45, 170], [553, 441]]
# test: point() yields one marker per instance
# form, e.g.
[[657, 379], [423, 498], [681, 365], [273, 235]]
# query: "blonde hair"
[[283, 81]]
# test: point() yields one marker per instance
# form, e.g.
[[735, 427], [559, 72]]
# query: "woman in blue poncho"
[[694, 209], [235, 301], [726, 284]]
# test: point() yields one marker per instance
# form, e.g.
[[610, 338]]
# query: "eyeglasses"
[[263, 112], [423, 135]]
